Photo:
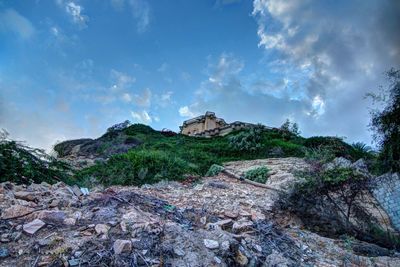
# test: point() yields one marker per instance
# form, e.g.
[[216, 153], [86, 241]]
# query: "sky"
[[72, 68]]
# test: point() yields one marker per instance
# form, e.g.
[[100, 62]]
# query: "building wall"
[[193, 128], [387, 192], [210, 123]]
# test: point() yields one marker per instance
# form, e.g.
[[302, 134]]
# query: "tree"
[[386, 122], [289, 129]]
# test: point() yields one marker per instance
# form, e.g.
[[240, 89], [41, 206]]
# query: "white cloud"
[[186, 112], [141, 12], [142, 117], [337, 53], [75, 11], [11, 20]]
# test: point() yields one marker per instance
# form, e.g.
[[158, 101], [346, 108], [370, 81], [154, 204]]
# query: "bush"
[[138, 167], [386, 122], [214, 170], [259, 175], [362, 151], [23, 165], [247, 140], [335, 145]]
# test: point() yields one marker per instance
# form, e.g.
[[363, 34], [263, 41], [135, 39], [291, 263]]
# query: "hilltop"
[[140, 149]]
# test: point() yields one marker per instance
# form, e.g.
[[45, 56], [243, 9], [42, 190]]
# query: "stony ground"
[[216, 221]]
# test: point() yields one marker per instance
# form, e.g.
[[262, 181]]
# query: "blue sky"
[[72, 68]]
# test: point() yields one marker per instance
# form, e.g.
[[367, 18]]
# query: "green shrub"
[[334, 144], [214, 170], [259, 175], [138, 167], [247, 140], [319, 154], [22, 165]]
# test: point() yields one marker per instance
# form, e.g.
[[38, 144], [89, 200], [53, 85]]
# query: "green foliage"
[[320, 155], [259, 175], [247, 140], [335, 145], [138, 167], [386, 122], [214, 170], [361, 150], [253, 143], [289, 130], [22, 164]]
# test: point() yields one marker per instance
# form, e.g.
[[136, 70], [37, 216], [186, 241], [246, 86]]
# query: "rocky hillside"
[[214, 221]]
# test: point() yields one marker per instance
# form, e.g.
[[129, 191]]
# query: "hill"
[[138, 154]]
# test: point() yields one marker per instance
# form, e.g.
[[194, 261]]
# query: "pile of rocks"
[[217, 222]]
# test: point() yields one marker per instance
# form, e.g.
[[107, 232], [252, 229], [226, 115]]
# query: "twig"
[[229, 173], [36, 260]]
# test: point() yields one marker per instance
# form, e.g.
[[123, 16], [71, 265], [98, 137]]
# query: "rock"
[[370, 250], [44, 242], [219, 224], [242, 225], [15, 211], [54, 203], [33, 226], [257, 216], [219, 185], [241, 259], [360, 165], [76, 190], [225, 245], [24, 195], [69, 221], [179, 252], [78, 253], [52, 217], [217, 260], [102, 228], [231, 214], [74, 262], [276, 259], [4, 253], [211, 244], [339, 162], [122, 246]]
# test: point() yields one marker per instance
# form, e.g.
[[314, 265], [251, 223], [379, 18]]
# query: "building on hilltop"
[[209, 125]]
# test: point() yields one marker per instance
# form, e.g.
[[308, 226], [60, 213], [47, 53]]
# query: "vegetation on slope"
[[195, 155]]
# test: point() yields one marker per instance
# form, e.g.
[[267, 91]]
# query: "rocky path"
[[217, 221]]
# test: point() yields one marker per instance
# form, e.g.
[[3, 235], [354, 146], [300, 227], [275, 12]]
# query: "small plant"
[[259, 175], [214, 170]]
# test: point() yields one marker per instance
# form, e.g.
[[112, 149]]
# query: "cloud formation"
[[75, 11], [321, 61], [142, 117]]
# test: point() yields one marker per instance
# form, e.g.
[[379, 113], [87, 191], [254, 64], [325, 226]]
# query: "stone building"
[[210, 125]]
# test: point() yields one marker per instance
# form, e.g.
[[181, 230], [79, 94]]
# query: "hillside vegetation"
[[156, 155]]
